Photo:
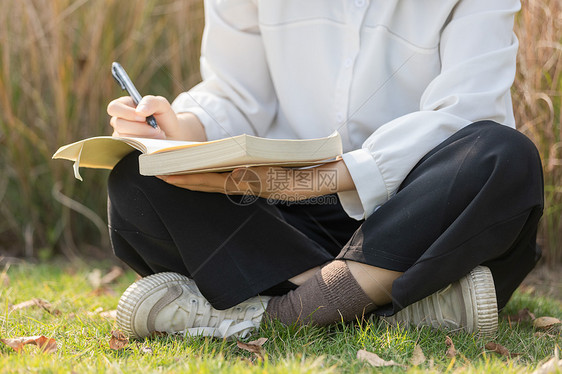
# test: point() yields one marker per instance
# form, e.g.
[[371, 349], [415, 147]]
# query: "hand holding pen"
[[125, 82], [130, 114]]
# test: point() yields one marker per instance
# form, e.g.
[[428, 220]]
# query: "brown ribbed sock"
[[330, 296]]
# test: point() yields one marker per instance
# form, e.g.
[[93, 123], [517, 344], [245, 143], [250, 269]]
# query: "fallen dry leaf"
[[551, 366], [146, 349], [97, 281], [498, 348], [109, 314], [546, 323], [417, 357], [96, 311], [522, 316], [99, 312], [374, 359], [47, 345], [36, 302], [255, 346], [540, 334], [23, 305], [112, 275], [451, 351], [260, 341], [118, 340]]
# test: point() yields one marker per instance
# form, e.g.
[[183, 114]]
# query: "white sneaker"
[[468, 304], [172, 303]]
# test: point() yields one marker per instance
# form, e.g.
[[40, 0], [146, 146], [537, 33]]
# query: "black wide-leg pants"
[[474, 199]]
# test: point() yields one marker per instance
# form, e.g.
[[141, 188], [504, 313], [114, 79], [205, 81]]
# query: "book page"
[[154, 145]]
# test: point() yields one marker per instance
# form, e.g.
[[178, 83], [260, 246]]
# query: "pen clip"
[[116, 70]]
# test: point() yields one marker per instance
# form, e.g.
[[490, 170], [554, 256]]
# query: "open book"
[[165, 157]]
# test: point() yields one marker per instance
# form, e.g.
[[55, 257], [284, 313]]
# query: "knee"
[[126, 171], [508, 149], [509, 156], [125, 188]]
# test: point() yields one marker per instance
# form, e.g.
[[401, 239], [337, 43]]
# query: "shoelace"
[[226, 329], [236, 321]]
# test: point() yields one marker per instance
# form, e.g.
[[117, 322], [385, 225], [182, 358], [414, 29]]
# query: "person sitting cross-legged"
[[429, 217]]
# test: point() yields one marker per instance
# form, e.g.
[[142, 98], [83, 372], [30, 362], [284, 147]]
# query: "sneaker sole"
[[484, 301], [136, 293]]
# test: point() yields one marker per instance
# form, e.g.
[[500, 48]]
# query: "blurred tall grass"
[[537, 96], [55, 84]]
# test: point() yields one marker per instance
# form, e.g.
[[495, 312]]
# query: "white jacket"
[[394, 77]]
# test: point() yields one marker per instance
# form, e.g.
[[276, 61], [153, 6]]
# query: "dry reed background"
[[55, 84]]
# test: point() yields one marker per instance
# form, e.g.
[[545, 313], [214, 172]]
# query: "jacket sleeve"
[[478, 56], [236, 95]]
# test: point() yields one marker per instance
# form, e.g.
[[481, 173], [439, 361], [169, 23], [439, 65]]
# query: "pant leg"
[[475, 199], [323, 220], [232, 251]]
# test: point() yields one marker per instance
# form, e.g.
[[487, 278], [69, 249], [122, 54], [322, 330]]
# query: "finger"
[[213, 180], [153, 105], [157, 106], [127, 100], [204, 182], [134, 128], [199, 188], [124, 107]]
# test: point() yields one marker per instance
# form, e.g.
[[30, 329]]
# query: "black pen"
[[125, 82]]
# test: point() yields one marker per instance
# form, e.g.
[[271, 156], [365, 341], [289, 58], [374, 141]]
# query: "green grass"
[[83, 337]]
